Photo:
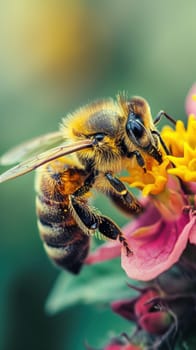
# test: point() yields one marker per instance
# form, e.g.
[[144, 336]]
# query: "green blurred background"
[[54, 57]]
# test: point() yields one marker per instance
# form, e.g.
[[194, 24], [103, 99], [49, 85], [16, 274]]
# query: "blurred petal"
[[125, 308], [156, 322], [190, 104], [107, 251], [170, 203], [123, 347], [142, 305]]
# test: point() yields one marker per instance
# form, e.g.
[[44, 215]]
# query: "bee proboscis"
[[93, 145]]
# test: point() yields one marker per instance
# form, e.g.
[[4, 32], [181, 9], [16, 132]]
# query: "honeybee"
[[93, 144]]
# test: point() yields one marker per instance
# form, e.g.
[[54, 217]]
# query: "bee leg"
[[88, 219], [139, 158], [122, 197], [90, 222], [109, 229], [155, 132], [156, 121], [163, 114]]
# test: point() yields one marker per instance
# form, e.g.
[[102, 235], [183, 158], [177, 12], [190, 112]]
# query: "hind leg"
[[91, 222]]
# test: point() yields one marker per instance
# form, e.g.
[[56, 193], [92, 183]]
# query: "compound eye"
[[135, 126], [99, 137], [137, 132], [137, 129]]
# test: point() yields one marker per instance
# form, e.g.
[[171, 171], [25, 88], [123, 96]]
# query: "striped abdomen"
[[64, 241]]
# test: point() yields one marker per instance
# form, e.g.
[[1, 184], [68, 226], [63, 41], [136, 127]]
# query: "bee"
[[93, 145]]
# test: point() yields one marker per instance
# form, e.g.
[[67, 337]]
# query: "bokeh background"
[[54, 57]]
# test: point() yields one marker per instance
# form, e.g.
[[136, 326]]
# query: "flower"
[[160, 236], [183, 144], [116, 346], [145, 311], [163, 309], [120, 344], [162, 240], [153, 181], [157, 244], [185, 167]]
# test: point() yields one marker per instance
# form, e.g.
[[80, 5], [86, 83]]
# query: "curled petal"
[[156, 244], [156, 247]]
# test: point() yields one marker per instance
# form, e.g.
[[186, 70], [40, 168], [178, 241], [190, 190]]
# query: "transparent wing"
[[43, 158], [31, 148]]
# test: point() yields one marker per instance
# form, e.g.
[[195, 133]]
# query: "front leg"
[[121, 197], [155, 132], [163, 114], [139, 158]]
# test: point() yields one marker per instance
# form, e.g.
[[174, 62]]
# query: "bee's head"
[[139, 126]]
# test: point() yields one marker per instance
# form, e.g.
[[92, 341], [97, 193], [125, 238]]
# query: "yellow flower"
[[185, 167], [182, 162], [182, 143], [152, 181], [176, 139]]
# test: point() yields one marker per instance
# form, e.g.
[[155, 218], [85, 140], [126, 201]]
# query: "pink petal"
[[192, 187], [156, 322], [107, 251], [111, 250], [113, 347], [125, 308], [192, 229], [142, 305], [150, 216], [156, 248], [190, 103]]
